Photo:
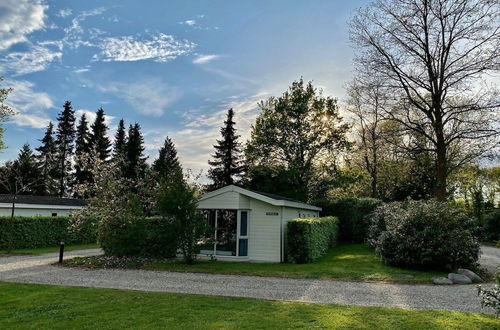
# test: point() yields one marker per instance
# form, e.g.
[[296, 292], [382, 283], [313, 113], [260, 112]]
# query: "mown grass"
[[50, 249], [29, 306], [354, 262]]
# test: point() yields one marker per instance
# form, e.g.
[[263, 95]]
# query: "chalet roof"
[[42, 200]]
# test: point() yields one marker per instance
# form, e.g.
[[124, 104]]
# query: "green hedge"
[[139, 236], [307, 239], [353, 214], [39, 232]]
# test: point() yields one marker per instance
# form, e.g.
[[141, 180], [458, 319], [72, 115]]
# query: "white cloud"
[[161, 48], [38, 58], [31, 106], [91, 115], [74, 34], [149, 97], [64, 12], [18, 18], [203, 59], [81, 70], [189, 22]]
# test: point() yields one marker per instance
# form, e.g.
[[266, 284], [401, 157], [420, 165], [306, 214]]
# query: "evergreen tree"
[[167, 165], [135, 161], [120, 141], [23, 175], [82, 151], [65, 140], [47, 162], [227, 165], [98, 139]]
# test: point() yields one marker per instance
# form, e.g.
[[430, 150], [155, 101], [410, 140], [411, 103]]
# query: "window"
[[243, 223], [54, 214], [243, 247]]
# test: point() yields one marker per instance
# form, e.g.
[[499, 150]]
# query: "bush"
[[424, 235], [39, 232], [491, 225], [138, 236], [307, 239], [353, 214], [490, 297]]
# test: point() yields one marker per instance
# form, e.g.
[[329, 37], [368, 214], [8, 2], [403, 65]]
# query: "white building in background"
[[39, 205], [249, 225]]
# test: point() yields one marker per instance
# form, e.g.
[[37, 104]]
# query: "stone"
[[459, 278], [470, 274], [441, 281]]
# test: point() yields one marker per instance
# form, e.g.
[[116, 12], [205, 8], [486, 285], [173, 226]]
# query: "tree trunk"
[[441, 169]]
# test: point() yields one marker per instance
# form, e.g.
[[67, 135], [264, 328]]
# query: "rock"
[[470, 274], [459, 278], [441, 281]]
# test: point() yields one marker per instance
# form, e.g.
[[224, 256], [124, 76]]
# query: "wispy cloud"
[[81, 70], [64, 12], [203, 59], [19, 18], [189, 22], [91, 115], [37, 58], [74, 34], [31, 106], [149, 96], [160, 48]]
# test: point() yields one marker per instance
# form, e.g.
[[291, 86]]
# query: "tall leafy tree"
[[433, 58], [99, 140], [226, 166], [65, 145], [47, 162], [82, 151], [167, 164], [135, 161], [291, 135]]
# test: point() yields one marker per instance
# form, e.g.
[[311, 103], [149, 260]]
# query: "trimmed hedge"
[[139, 236], [353, 214], [307, 239], [40, 232]]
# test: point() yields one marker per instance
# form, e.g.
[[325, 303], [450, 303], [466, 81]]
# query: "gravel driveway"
[[38, 269], [490, 258]]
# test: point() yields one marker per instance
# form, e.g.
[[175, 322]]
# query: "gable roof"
[[272, 199], [42, 200]]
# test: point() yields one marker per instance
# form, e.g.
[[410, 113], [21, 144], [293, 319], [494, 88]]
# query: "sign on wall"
[[272, 213]]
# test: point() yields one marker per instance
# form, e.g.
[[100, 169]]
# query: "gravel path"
[[490, 258], [38, 269]]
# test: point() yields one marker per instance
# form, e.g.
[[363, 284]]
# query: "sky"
[[175, 67]]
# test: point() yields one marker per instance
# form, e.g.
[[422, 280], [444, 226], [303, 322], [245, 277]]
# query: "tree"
[[292, 133], [64, 142], [432, 57], [98, 138], [227, 166], [5, 110], [82, 149], [47, 162], [167, 165], [120, 140], [22, 176], [135, 161]]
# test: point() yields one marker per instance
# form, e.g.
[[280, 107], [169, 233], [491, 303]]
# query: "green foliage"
[[37, 232], [353, 215], [491, 225], [65, 137], [47, 162], [167, 165], [490, 297], [307, 239], [424, 235], [138, 236], [99, 140]]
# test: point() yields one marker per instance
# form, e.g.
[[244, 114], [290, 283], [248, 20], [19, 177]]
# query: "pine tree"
[[120, 141], [135, 162], [227, 165], [98, 138], [47, 162], [167, 165], [65, 140], [25, 175], [82, 151]]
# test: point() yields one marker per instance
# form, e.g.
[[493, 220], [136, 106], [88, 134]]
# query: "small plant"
[[491, 297]]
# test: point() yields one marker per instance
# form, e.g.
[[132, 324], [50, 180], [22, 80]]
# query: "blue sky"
[[173, 66]]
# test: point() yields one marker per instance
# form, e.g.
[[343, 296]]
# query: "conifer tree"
[[135, 162], [120, 141], [24, 174], [226, 166], [98, 138], [82, 150], [47, 162], [167, 165], [65, 144]]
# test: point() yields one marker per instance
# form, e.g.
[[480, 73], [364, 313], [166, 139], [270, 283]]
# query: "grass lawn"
[[30, 306], [355, 262], [51, 249]]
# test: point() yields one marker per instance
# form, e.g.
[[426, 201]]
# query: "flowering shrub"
[[424, 234], [130, 262], [491, 297]]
